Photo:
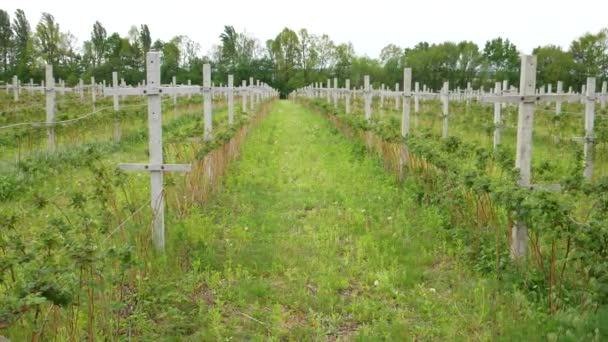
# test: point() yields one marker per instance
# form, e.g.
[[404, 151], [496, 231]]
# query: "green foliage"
[[567, 229]]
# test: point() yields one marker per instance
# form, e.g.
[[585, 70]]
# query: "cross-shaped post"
[[156, 167], [258, 92], [93, 91], [445, 97], [243, 93], [15, 88], [407, 94], [115, 105], [523, 155], [81, 89], [603, 95], [174, 84], [231, 99], [367, 93], [497, 118], [207, 107], [416, 100], [397, 96], [115, 86], [558, 103], [251, 95], [335, 93], [589, 121], [382, 96], [347, 97], [50, 107], [525, 120]]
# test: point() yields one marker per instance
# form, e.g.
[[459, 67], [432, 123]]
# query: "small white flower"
[[376, 282], [362, 210], [246, 228], [432, 290], [390, 218]]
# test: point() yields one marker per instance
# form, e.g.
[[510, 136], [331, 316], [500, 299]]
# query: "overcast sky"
[[369, 25]]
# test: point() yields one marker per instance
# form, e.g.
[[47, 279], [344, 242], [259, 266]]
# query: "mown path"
[[310, 239]]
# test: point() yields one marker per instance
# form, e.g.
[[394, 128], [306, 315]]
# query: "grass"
[[308, 238]]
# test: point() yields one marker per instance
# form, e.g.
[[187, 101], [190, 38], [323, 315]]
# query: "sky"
[[369, 25]]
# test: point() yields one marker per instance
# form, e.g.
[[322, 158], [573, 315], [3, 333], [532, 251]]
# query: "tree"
[[98, 41], [229, 48], [325, 52], [145, 38], [6, 34], [469, 59], [308, 55], [344, 55], [286, 51], [48, 38], [590, 55], [553, 65], [22, 44], [171, 59], [501, 60], [391, 58]]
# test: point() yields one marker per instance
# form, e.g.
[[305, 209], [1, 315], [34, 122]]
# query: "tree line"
[[291, 60]]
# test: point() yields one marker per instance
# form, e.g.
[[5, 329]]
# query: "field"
[[309, 235]]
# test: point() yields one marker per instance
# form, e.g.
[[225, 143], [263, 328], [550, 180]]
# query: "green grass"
[[308, 238]]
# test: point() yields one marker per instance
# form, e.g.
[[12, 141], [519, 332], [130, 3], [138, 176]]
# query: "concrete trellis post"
[[93, 91], [335, 93], [31, 85], [497, 118], [156, 167], [583, 92], [207, 119], [243, 96], [50, 107], [117, 133], [416, 99], [15, 88], [382, 96], [445, 95], [258, 92], [407, 94], [523, 156], [589, 122], [368, 98], [558, 103], [347, 97], [81, 89], [251, 95], [525, 118], [603, 98], [328, 92], [230, 99], [505, 87], [115, 86], [174, 84], [397, 96]]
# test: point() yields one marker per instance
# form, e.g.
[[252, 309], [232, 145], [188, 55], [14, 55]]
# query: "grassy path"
[[310, 239]]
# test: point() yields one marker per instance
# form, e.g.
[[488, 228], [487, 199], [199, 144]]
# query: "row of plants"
[[566, 268], [75, 255], [473, 122]]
